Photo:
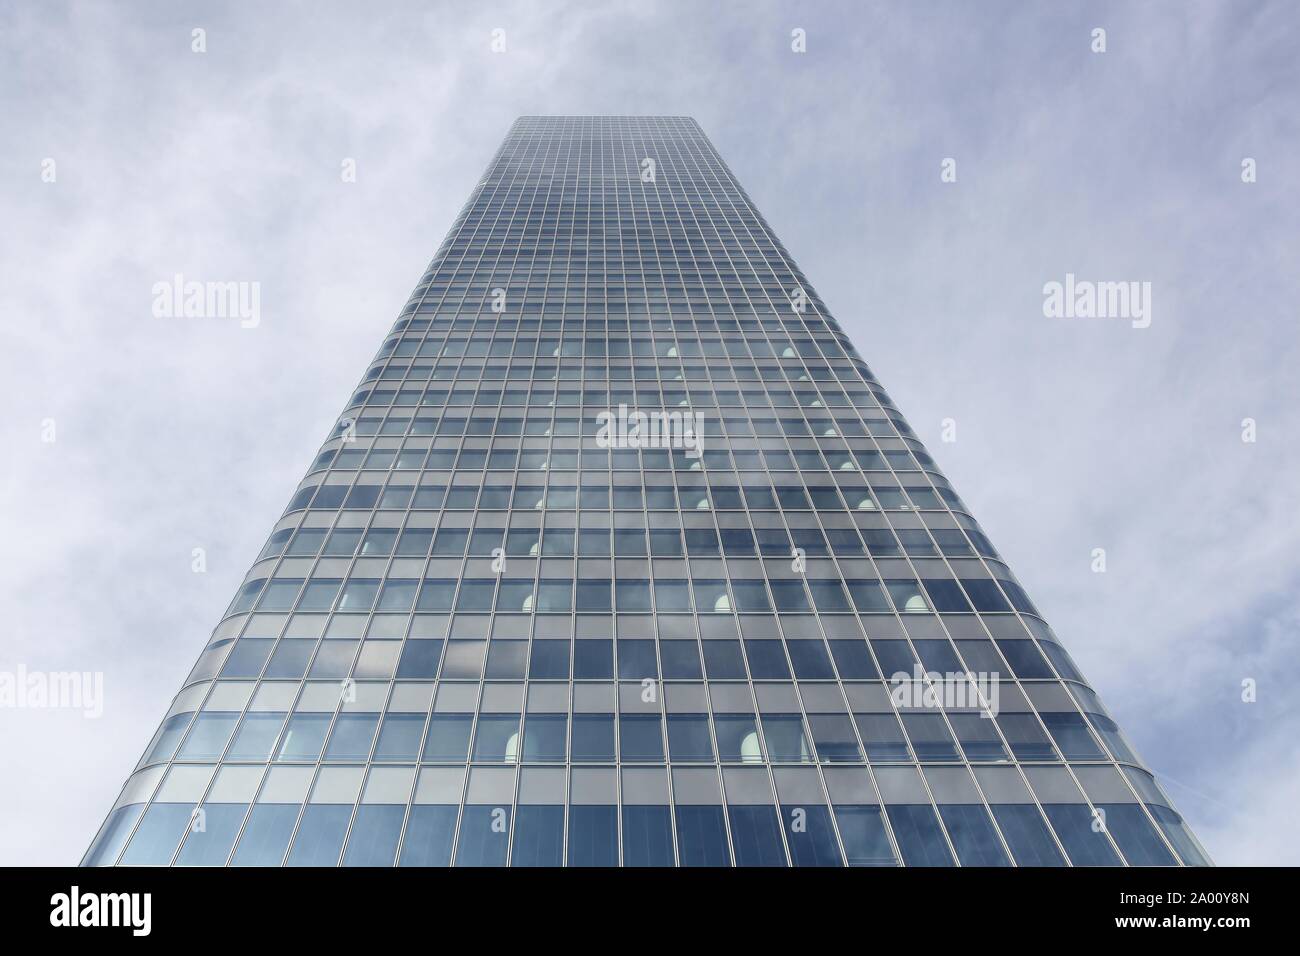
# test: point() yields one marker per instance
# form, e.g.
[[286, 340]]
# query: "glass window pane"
[[920, 838], [647, 836], [862, 828], [756, 836], [593, 835], [702, 836], [810, 836]]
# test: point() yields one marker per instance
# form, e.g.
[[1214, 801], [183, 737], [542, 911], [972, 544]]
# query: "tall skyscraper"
[[620, 554]]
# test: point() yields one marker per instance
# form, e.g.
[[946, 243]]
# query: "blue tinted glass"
[[266, 835], [593, 836], [647, 836], [158, 834], [109, 842], [429, 835], [1136, 837], [636, 660], [256, 736], [539, 836], [373, 841], [973, 835], [303, 737], [978, 738], [810, 660], [688, 737], [167, 737], [1084, 843], [210, 845], [247, 658], [930, 737], [723, 661], [549, 660], [862, 828], [320, 835], [681, 660], [853, 660], [419, 659], [882, 736], [399, 737], [448, 737], [756, 836], [767, 660], [919, 836], [1175, 830], [484, 836], [811, 838], [1070, 731], [1110, 733], [208, 736], [640, 737], [593, 738], [786, 742], [1025, 659], [497, 738], [353, 734], [593, 660], [544, 737], [1027, 835], [702, 836], [1026, 737]]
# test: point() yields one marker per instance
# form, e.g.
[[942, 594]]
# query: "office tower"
[[620, 555]]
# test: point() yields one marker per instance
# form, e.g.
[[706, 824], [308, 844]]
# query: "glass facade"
[[620, 555]]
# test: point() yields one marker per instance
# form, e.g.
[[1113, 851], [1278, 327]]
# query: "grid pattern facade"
[[481, 636]]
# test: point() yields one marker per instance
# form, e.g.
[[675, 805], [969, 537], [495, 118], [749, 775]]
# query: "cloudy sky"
[[1071, 434]]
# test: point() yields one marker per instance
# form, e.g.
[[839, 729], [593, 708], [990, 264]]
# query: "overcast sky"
[[1072, 434]]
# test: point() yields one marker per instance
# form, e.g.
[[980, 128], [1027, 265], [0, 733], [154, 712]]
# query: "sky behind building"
[[1071, 434]]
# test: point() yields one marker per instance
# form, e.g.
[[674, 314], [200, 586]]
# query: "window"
[[689, 740], [255, 739], [973, 835], [497, 738], [810, 835], [1084, 843], [920, 838], [319, 594], [484, 836], [359, 594], [723, 660], [862, 828], [399, 737], [593, 738], [647, 836], [280, 594], [1070, 731], [448, 738], [544, 737], [207, 739], [375, 832], [352, 737], [304, 737], [756, 835], [929, 736], [640, 738], [593, 835], [785, 738], [538, 837], [1026, 737], [266, 835], [702, 836], [429, 835], [767, 660]]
